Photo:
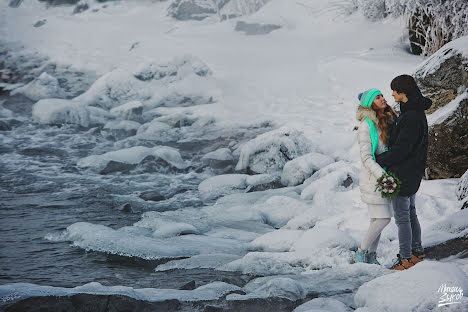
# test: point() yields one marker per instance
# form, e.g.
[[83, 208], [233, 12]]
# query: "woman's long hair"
[[386, 118]]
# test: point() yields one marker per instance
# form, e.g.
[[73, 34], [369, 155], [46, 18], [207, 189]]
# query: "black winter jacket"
[[407, 153]]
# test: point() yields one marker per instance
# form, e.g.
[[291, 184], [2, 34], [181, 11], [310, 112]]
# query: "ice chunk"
[[50, 111], [157, 131], [216, 186], [322, 305], [122, 125], [212, 291], [129, 111], [283, 287], [43, 87], [301, 168], [164, 229], [278, 210], [208, 261], [219, 154], [138, 242], [419, 289], [134, 155], [270, 151], [280, 240], [329, 178]]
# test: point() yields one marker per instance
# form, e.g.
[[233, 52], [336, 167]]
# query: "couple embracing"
[[396, 145]]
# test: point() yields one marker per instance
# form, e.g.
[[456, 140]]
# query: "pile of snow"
[[134, 155], [269, 152], [225, 184], [330, 178], [43, 87], [417, 289], [301, 168], [212, 291]]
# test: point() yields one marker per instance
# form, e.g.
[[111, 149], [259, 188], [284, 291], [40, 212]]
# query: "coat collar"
[[366, 112]]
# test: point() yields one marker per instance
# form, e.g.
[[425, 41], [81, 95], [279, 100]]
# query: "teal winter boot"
[[361, 256], [373, 258]]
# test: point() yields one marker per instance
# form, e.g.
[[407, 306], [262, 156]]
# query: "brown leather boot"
[[401, 264], [416, 258]]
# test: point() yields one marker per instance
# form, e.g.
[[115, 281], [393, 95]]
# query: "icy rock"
[[278, 210], [133, 156], [207, 261], [43, 87], [189, 83], [157, 131], [280, 240], [237, 8], [81, 7], [51, 111], [301, 168], [129, 111], [217, 186], [165, 229], [329, 178], [269, 152], [220, 159], [419, 289], [462, 186], [222, 154], [192, 9], [322, 305], [252, 29], [40, 23], [121, 129], [283, 287]]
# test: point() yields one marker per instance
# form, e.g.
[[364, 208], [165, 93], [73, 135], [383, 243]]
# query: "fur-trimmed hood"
[[366, 112]]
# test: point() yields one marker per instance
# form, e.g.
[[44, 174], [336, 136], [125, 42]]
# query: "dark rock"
[[255, 29], [86, 302], [60, 2], [80, 8], [448, 145], [152, 196], [40, 23], [15, 3], [346, 183], [115, 166], [4, 126], [264, 187], [465, 205], [18, 104], [189, 286], [152, 164], [449, 248], [127, 208], [190, 10]]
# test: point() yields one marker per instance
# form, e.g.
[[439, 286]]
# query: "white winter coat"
[[370, 170]]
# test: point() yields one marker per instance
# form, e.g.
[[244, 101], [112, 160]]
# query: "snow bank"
[[278, 210], [452, 226], [280, 240], [282, 287], [301, 168], [210, 291], [185, 81], [329, 178], [416, 289], [43, 87], [134, 155], [269, 152]]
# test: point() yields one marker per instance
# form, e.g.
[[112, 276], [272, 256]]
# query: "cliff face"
[[444, 78]]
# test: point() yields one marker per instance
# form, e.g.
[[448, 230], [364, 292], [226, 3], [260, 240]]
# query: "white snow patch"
[[301, 168]]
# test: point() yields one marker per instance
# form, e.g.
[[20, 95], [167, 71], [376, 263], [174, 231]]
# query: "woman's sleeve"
[[365, 147]]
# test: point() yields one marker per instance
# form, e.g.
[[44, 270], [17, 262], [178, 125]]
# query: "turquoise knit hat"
[[367, 97]]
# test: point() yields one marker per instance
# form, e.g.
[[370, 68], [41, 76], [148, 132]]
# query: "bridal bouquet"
[[388, 185]]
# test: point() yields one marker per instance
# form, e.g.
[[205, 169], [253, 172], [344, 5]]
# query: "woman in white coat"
[[376, 120]]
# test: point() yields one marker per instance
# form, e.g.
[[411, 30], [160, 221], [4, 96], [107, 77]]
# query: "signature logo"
[[450, 295]]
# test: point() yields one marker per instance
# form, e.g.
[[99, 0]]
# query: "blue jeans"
[[409, 230]]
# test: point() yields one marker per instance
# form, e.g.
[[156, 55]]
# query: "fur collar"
[[366, 112]]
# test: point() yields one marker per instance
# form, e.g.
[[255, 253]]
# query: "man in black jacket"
[[406, 158]]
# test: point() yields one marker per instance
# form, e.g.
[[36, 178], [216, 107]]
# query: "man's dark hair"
[[403, 84]]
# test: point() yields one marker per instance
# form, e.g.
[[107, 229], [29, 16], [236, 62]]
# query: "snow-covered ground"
[[303, 78]]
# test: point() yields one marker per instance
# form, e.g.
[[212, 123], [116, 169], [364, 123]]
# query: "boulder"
[[443, 77]]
